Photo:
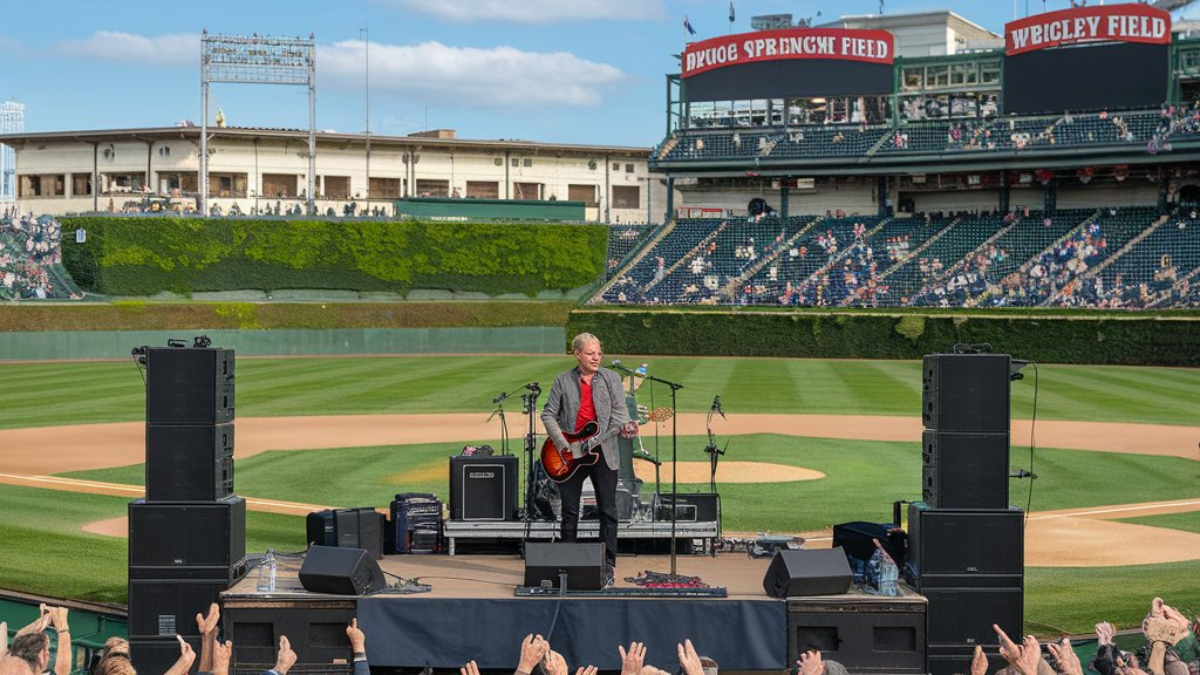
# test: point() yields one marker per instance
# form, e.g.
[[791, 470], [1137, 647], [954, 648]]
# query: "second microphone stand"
[[530, 406], [675, 387]]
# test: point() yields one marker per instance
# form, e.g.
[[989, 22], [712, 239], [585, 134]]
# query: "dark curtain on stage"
[[446, 633]]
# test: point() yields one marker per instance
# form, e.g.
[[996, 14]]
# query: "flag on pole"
[[732, 14], [688, 25]]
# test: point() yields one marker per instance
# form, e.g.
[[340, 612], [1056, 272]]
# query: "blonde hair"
[[582, 339]]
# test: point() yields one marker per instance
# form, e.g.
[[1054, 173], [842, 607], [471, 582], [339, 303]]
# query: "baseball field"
[[811, 443]]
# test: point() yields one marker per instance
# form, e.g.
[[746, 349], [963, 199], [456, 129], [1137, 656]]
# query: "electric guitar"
[[584, 448]]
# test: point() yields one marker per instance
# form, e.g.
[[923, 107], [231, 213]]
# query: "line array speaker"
[[965, 471], [944, 542], [189, 386], [966, 392], [189, 463]]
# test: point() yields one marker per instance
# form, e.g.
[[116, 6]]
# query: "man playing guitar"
[[589, 393]]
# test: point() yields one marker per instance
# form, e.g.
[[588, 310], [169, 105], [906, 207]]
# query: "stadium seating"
[[622, 240], [1108, 257]]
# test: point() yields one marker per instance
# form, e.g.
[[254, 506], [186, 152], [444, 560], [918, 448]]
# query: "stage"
[[472, 612]]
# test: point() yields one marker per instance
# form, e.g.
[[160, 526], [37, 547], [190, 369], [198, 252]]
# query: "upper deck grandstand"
[[843, 165]]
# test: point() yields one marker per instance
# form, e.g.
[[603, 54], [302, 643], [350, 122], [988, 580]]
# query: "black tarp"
[[1094, 77], [412, 631], [790, 77]]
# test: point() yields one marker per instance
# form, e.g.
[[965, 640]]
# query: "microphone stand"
[[499, 401], [714, 453], [530, 404], [675, 387]]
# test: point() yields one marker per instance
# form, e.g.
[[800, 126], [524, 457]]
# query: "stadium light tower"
[[12, 121]]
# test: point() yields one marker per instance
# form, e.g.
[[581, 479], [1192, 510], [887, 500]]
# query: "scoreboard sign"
[[1105, 23], [871, 46]]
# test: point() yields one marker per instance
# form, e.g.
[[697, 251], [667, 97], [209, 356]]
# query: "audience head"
[[33, 649]]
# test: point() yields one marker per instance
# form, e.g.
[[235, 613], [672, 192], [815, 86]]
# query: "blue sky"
[[572, 71]]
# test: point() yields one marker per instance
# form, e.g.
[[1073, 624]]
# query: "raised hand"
[[632, 660], [810, 663], [1065, 657], [208, 624], [1161, 629], [3, 638], [470, 669], [58, 617], [286, 658], [1105, 632], [689, 659], [358, 640], [533, 650], [37, 625], [1176, 618], [586, 670], [979, 662], [555, 663], [222, 655], [1023, 657]]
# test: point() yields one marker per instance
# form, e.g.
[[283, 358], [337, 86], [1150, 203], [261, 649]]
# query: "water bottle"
[[641, 370], [266, 573]]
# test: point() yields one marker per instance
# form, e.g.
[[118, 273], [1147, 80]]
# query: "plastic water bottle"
[[641, 370], [266, 573]]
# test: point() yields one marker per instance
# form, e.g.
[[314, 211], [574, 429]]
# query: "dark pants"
[[604, 480]]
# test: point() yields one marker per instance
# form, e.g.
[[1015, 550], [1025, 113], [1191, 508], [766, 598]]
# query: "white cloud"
[[179, 49], [534, 11], [505, 77]]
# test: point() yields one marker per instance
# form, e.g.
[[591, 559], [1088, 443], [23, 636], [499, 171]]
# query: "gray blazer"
[[562, 407]]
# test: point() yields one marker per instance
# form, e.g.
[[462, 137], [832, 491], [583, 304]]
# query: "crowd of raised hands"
[[1172, 649], [536, 651], [29, 653]]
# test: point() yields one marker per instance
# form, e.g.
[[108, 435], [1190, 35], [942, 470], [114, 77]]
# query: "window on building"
[[515, 162], [527, 190], [626, 197], [186, 183], [385, 188], [122, 182], [498, 162], [31, 186], [937, 77], [964, 74], [528, 162], [81, 184], [280, 185], [989, 72], [913, 79], [616, 166], [233, 185], [430, 187], [582, 193], [483, 189], [337, 187], [628, 168]]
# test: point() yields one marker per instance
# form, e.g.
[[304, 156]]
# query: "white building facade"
[[260, 169]]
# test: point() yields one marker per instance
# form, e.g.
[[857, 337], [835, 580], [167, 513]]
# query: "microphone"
[[499, 399]]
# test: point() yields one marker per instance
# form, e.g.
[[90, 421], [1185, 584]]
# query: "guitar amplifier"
[[483, 488]]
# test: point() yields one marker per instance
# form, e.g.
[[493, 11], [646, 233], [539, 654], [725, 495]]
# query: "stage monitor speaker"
[[866, 634], [964, 616], [187, 535], [159, 608], [967, 393], [189, 386], [340, 571], [483, 488], [189, 463], [691, 507], [949, 543], [583, 563], [965, 471], [808, 572], [158, 654]]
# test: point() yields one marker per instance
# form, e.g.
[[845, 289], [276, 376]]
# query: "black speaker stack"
[[187, 538], [965, 542]]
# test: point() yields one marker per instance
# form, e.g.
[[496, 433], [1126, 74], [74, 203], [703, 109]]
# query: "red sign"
[[1103, 23], [872, 46]]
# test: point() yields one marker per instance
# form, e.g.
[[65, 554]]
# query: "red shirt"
[[587, 408]]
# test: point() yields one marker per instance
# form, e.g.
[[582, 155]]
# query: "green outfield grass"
[[76, 393], [862, 480], [1189, 522], [46, 552]]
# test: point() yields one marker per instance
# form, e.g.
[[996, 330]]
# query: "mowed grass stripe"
[[1109, 391], [45, 394], [1188, 522]]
